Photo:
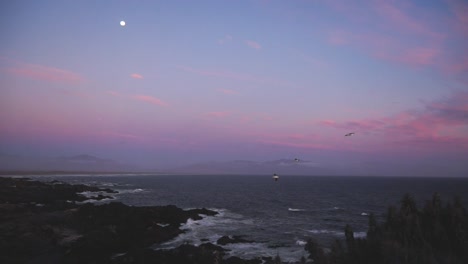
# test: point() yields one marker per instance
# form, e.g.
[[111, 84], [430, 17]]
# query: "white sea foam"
[[130, 191], [89, 194], [324, 231], [301, 242], [105, 200], [364, 214], [208, 228], [295, 210], [211, 228], [252, 250], [337, 233]]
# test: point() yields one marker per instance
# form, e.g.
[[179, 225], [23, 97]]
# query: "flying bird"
[[349, 134]]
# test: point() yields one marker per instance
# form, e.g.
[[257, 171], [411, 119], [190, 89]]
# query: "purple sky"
[[191, 81]]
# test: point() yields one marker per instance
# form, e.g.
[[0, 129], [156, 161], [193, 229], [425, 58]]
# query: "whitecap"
[[96, 201], [207, 229], [255, 249], [295, 210], [364, 214], [301, 242], [360, 234], [138, 190]]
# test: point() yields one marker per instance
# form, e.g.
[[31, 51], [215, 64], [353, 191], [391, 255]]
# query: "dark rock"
[[38, 224]]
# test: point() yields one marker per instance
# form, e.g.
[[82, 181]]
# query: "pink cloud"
[[218, 114], [225, 39], [120, 135], [253, 44], [402, 37], [227, 91], [387, 48], [235, 76], [437, 122], [45, 73], [149, 99], [296, 140], [295, 145], [76, 93], [399, 18], [458, 65], [114, 93], [136, 76], [337, 38], [327, 122], [460, 9], [419, 56]]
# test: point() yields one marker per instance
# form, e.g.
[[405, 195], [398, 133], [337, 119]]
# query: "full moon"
[[122, 23]]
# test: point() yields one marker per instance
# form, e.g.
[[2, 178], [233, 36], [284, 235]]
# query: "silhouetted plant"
[[436, 234]]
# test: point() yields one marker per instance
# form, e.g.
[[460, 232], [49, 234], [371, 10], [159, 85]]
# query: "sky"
[[194, 81]]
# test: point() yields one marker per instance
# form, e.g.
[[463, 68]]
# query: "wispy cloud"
[[227, 91], [337, 38], [143, 98], [225, 39], [136, 76], [120, 135], [253, 44], [387, 48], [235, 76], [44, 73], [150, 99], [218, 114], [460, 9], [438, 122], [300, 141], [400, 33], [399, 18], [114, 93], [417, 56]]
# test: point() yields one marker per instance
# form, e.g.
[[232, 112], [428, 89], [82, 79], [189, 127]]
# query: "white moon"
[[122, 23]]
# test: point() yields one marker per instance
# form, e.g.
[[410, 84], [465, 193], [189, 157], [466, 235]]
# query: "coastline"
[[47, 222]]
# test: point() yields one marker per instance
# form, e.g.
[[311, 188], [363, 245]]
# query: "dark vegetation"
[[434, 234], [43, 223]]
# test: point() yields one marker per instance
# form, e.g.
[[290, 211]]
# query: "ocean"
[[278, 217]]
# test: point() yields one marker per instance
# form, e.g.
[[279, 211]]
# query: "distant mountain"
[[82, 163], [282, 166]]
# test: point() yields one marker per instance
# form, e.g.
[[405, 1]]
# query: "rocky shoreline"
[[49, 223]]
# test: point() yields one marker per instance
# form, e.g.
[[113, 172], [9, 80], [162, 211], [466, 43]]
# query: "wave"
[[131, 191], [255, 249], [301, 242], [211, 228], [96, 201], [90, 194], [364, 214], [360, 234], [295, 210]]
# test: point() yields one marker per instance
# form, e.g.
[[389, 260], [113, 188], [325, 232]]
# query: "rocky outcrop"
[[43, 223]]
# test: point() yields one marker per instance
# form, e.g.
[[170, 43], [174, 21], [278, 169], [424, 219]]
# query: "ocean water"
[[278, 217]]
